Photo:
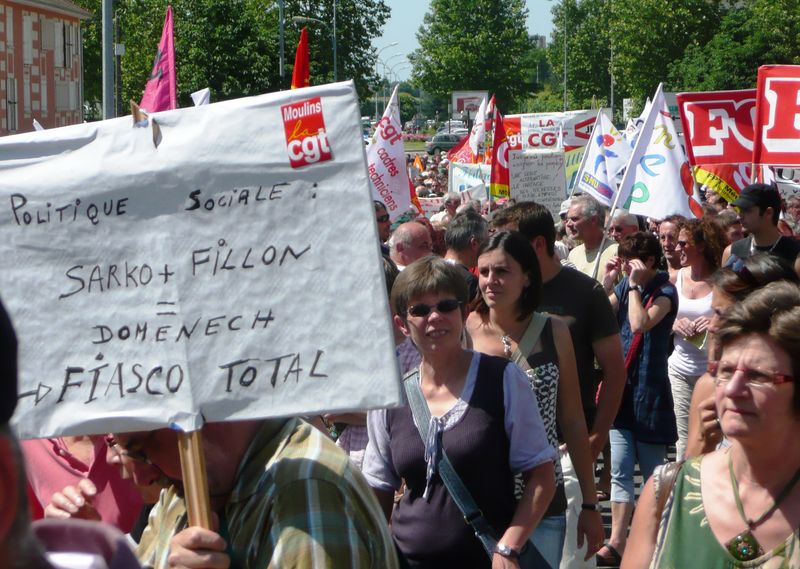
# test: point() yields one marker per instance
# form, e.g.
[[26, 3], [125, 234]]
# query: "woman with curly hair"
[[700, 244]]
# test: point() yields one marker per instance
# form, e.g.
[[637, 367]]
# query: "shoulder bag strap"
[[529, 339], [461, 496]]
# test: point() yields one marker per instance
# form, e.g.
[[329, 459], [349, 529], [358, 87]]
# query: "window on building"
[[58, 32], [27, 40]]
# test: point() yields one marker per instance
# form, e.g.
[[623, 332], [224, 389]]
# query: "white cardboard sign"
[[230, 272], [538, 176]]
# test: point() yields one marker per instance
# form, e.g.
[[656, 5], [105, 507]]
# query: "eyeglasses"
[[137, 455], [752, 377], [383, 218], [446, 305]]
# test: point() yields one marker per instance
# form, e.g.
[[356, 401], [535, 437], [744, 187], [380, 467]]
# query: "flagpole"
[[108, 59], [585, 154]]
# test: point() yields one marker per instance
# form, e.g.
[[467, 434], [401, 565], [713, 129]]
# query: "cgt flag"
[[300, 73], [161, 92], [499, 180], [386, 164]]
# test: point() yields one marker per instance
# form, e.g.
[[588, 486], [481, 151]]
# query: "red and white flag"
[[386, 164], [777, 123], [499, 179], [161, 91], [300, 73]]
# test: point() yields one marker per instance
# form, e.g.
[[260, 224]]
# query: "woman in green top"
[[739, 506]]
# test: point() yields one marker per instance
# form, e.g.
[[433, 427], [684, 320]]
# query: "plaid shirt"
[[297, 502]]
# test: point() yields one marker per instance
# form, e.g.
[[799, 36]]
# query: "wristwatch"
[[640, 288], [594, 507], [506, 551]]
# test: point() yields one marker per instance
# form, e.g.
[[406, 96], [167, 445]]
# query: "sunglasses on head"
[[383, 218], [422, 309]]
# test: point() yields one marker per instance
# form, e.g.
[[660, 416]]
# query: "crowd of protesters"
[[530, 347]]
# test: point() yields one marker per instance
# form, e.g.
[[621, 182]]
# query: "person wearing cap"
[[759, 210], [46, 544]]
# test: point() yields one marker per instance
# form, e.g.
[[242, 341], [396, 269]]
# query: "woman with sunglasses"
[[485, 419], [699, 247], [738, 506], [730, 285], [510, 286]]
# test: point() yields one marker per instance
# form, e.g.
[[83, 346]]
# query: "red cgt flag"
[[161, 93], [300, 74], [499, 178]]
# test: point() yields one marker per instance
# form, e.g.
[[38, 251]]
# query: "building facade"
[[41, 60]]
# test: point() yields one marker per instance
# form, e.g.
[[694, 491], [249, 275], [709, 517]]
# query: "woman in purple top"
[[483, 416]]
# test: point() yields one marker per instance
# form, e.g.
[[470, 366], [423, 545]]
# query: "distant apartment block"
[[41, 62], [539, 41]]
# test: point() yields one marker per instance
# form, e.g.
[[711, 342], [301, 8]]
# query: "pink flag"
[[161, 93]]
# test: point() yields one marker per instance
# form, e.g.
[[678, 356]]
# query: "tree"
[[650, 35], [231, 46], [749, 35], [473, 45]]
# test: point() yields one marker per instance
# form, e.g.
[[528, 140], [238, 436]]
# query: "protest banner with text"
[[223, 268]]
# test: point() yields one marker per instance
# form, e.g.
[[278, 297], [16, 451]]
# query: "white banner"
[[230, 271], [538, 176], [462, 177], [386, 163]]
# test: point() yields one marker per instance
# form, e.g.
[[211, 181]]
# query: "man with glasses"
[[283, 494], [622, 224], [383, 221]]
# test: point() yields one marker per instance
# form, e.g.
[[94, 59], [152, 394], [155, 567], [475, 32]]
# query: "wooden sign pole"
[[195, 480]]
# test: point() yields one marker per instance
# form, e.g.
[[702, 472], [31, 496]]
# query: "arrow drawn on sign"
[[37, 392]]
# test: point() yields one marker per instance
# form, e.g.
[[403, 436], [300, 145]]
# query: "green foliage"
[[473, 45], [408, 106], [232, 46], [750, 35]]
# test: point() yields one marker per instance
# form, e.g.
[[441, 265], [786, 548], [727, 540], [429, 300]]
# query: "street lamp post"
[[377, 59], [301, 19], [565, 55]]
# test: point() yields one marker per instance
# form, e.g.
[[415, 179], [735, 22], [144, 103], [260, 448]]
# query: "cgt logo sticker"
[[306, 139]]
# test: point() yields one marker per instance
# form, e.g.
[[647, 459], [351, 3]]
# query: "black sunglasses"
[[383, 218], [446, 305]]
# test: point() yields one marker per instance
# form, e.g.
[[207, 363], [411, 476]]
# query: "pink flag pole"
[[161, 93]]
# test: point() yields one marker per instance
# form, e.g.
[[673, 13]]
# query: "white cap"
[[565, 206]]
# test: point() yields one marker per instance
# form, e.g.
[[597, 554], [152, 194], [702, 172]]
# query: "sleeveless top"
[[543, 376], [690, 356], [432, 533], [686, 540]]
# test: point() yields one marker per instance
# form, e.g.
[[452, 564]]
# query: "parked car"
[[442, 142]]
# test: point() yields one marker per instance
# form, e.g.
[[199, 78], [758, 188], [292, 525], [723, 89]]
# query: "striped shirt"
[[297, 502]]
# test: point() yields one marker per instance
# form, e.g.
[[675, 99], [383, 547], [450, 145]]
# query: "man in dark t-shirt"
[[581, 302], [759, 210]]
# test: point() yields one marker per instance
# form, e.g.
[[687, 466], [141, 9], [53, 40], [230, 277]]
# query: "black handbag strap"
[[461, 496]]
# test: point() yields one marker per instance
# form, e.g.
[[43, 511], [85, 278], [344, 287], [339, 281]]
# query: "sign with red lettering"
[[718, 126], [306, 139], [777, 140], [549, 131]]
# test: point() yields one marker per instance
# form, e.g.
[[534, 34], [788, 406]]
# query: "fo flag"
[[777, 125], [499, 180], [161, 92], [606, 155], [658, 179], [386, 164], [300, 73]]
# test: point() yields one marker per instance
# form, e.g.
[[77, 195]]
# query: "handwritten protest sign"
[[216, 276], [538, 176]]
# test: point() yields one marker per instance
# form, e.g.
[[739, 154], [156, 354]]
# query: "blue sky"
[[407, 17]]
